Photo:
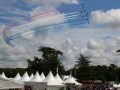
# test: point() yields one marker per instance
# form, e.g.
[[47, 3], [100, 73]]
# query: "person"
[[112, 88]]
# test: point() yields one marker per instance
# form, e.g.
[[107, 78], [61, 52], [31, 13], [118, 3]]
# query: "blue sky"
[[101, 4], [99, 39], [10, 8]]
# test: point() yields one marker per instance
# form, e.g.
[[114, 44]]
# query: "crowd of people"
[[97, 87]]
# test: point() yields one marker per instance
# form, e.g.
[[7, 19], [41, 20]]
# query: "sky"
[[99, 39]]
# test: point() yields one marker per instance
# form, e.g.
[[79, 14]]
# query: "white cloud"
[[106, 54], [44, 15], [70, 53], [52, 2], [109, 18], [94, 44], [98, 43], [71, 41], [14, 56], [41, 16]]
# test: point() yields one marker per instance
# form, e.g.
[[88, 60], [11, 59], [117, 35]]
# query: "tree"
[[83, 69], [49, 53], [49, 61], [83, 61], [111, 73], [100, 72]]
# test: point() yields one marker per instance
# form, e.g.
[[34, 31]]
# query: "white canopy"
[[116, 85], [57, 77], [36, 78], [31, 76], [42, 76], [17, 77], [51, 81], [70, 79], [3, 75], [7, 84], [25, 77]]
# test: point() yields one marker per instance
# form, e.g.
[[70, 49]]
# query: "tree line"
[[82, 69]]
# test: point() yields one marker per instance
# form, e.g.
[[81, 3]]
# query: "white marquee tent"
[[71, 80], [31, 76], [17, 77], [51, 81], [6, 84], [3, 75], [25, 77], [36, 78], [57, 77], [42, 76]]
